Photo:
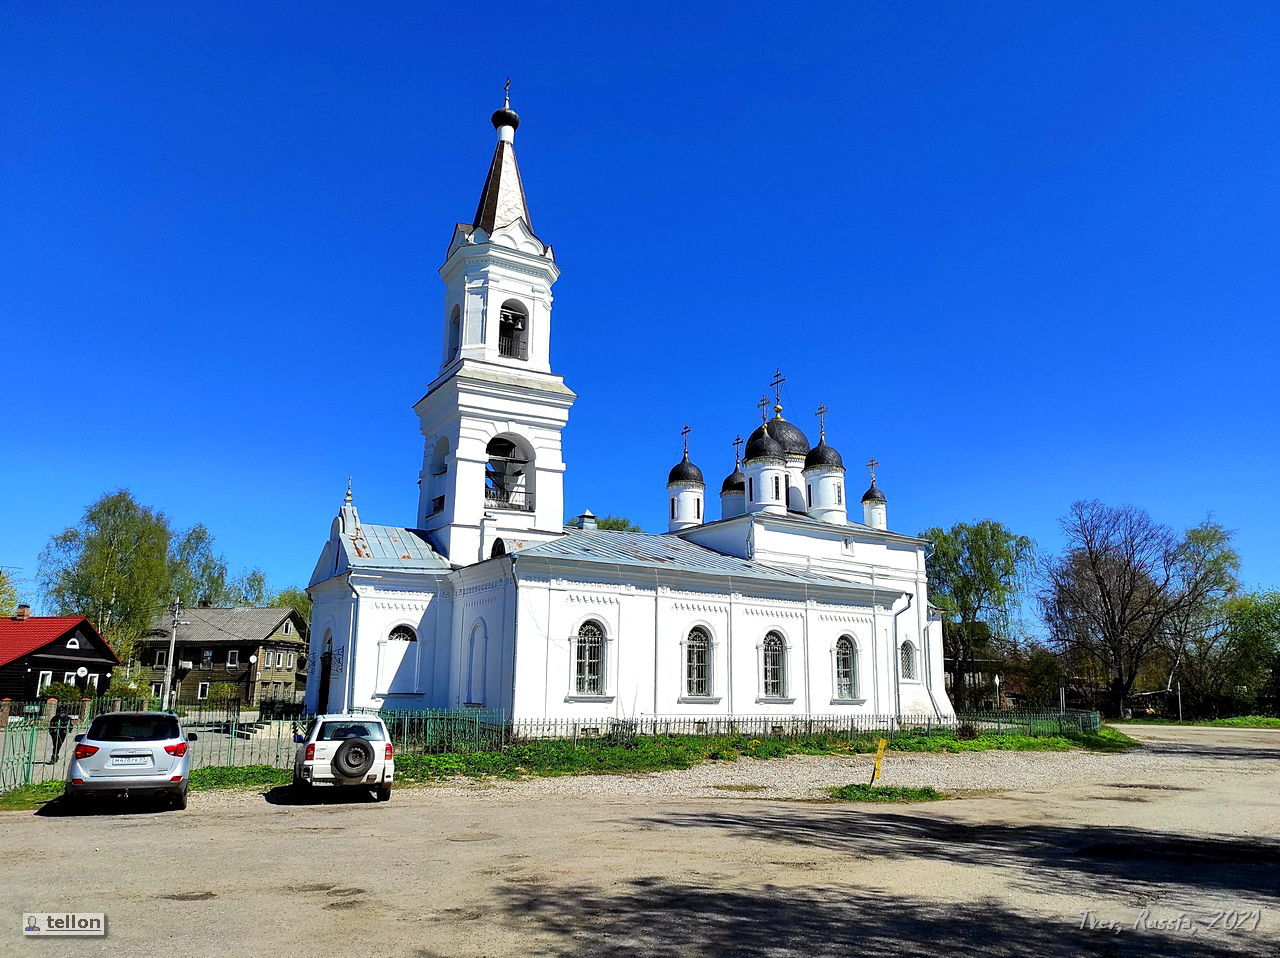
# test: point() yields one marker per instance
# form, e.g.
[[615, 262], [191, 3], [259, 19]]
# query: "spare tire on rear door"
[[353, 758]]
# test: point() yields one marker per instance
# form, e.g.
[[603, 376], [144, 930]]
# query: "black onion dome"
[[505, 117], [685, 471], [762, 445], [873, 494], [736, 481], [794, 441], [823, 455]]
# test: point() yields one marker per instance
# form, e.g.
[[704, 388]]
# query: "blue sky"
[[1026, 252]]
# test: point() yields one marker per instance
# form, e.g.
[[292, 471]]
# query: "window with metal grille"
[[775, 666], [513, 333], [590, 659], [697, 508], [908, 658], [777, 487], [846, 668], [403, 633], [839, 493], [673, 508], [697, 658]]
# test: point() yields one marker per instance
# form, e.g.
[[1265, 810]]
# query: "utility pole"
[[1179, 700], [168, 662]]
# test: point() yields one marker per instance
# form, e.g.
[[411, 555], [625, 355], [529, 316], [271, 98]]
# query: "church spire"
[[502, 199]]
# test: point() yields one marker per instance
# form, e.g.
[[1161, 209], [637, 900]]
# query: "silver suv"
[[351, 750], [131, 754]]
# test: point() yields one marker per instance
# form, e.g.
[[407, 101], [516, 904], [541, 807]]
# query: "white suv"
[[352, 750]]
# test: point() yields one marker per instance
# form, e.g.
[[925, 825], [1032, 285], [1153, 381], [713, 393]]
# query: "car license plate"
[[131, 760]]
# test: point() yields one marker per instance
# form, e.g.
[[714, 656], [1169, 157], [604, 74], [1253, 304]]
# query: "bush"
[[966, 732], [224, 692], [884, 793], [129, 691], [66, 694]]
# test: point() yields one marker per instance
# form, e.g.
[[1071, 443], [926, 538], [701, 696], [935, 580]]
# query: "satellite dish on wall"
[[82, 671], [252, 659]]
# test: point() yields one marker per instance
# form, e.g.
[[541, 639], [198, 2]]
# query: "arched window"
[[455, 334], [846, 668], [774, 679], [73, 643], [839, 493], [908, 658], [589, 665], [506, 476], [513, 330], [777, 487], [403, 633], [697, 662], [673, 507], [499, 549], [697, 507]]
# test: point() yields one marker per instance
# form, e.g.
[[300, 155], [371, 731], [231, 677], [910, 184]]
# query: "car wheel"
[[383, 792], [353, 758]]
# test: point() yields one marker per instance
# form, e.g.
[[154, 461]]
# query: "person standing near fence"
[[59, 727]]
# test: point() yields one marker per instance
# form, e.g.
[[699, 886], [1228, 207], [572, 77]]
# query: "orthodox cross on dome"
[[822, 421], [506, 93], [763, 406], [871, 465], [776, 383], [737, 450], [684, 434]]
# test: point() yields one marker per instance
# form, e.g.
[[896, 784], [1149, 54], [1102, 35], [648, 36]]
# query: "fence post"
[[50, 706], [5, 706]]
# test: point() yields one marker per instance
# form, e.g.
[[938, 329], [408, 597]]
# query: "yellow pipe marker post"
[[875, 772]]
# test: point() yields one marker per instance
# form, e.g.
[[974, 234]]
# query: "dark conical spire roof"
[[502, 200], [685, 471], [873, 494]]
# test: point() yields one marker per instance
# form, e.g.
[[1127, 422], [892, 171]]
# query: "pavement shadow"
[[1051, 857], [288, 795], [90, 807], [656, 918]]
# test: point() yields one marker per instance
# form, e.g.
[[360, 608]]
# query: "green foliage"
[[112, 567], [612, 523], [26, 797], [224, 692], [8, 594], [293, 598], [1239, 721], [976, 573], [240, 776], [884, 793], [124, 689], [65, 693]]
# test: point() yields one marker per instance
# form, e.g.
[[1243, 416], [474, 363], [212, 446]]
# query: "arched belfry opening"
[[513, 330], [508, 475], [455, 334]]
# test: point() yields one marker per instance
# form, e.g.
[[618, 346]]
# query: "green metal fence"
[[228, 735]]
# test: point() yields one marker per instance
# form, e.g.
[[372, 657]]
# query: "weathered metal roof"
[[390, 547], [665, 552], [237, 624]]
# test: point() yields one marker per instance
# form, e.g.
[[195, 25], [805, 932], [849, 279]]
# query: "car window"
[[133, 728], [335, 731]]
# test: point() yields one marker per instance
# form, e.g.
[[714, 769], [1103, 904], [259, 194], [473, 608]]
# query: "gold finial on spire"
[[737, 450], [776, 383], [822, 421], [684, 433], [871, 465], [347, 500]]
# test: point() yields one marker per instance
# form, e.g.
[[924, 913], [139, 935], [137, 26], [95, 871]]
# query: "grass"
[[884, 793], [1239, 721], [606, 756]]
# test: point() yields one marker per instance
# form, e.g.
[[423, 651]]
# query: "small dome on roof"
[[736, 481], [873, 494], [505, 117], [685, 471], [762, 445], [794, 441], [823, 455]]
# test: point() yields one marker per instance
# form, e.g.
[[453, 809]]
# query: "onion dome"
[[736, 481], [685, 471], [505, 117], [823, 456], [873, 494], [794, 441], [762, 445]]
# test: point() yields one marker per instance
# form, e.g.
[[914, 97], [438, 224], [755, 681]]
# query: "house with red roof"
[[36, 650]]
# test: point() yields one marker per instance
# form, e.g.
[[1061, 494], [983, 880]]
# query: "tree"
[[111, 567], [8, 594], [1226, 668], [293, 598], [975, 575], [197, 575], [1127, 588], [612, 523]]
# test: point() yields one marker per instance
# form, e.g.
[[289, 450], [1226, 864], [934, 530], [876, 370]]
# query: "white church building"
[[784, 605]]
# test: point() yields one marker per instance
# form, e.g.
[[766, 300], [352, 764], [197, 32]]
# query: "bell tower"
[[491, 421]]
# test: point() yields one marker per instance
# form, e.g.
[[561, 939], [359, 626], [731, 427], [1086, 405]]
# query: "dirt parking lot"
[[725, 859]]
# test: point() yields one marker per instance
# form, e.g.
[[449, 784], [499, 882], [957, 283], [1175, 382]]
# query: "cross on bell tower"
[[776, 383], [822, 421]]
